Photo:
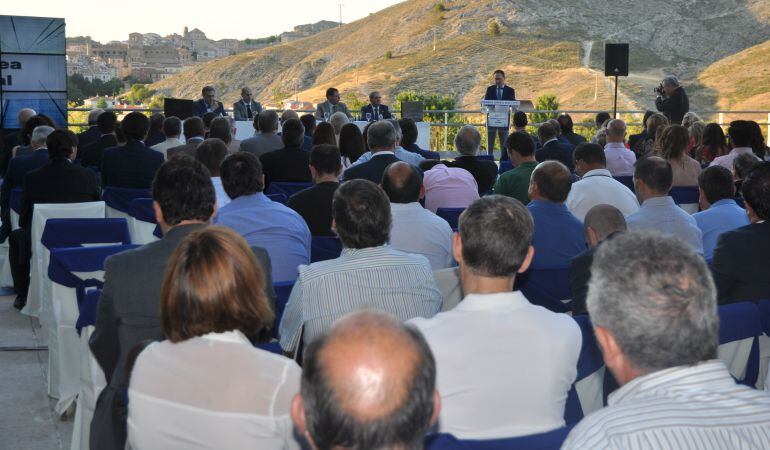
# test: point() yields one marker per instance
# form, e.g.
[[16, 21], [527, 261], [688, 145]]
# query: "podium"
[[499, 112]]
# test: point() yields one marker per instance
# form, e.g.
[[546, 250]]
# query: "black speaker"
[[616, 60], [181, 108]]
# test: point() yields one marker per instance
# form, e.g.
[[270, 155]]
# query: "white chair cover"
[[5, 270], [112, 213], [92, 382], [735, 355], [141, 231], [590, 391]]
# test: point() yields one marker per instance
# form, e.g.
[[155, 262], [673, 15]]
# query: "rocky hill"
[[545, 46]]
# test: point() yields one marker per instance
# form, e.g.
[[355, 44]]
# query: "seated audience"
[[222, 128], [467, 143], [211, 153], [652, 181], [558, 233], [207, 119], [25, 148], [324, 134], [620, 160], [212, 302], [412, 158], [337, 121], [719, 212], [267, 140], [91, 155], [289, 163], [129, 308], [520, 122], [758, 145], [597, 186], [601, 119], [415, 229], [739, 135], [309, 122], [601, 223], [194, 134], [742, 165], [92, 133], [261, 221], [653, 308], [713, 144], [314, 204], [672, 146], [642, 136], [172, 129], [695, 131], [484, 395], [449, 187], [307, 140], [656, 123], [155, 133], [552, 148], [515, 182], [133, 165], [11, 140], [369, 273], [351, 144], [740, 256], [58, 181], [409, 137], [382, 140], [335, 410], [567, 129]]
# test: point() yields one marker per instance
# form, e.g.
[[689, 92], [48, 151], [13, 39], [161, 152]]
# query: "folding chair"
[[739, 331], [92, 380], [547, 286], [118, 200], [486, 157], [587, 392], [687, 197], [286, 188], [279, 198], [142, 221], [323, 248], [451, 215]]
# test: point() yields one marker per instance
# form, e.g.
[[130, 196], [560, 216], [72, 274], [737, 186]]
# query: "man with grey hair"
[[246, 108], [601, 222], [337, 121], [672, 100], [653, 306], [620, 160], [412, 158], [267, 139], [92, 134], [467, 143], [383, 140]]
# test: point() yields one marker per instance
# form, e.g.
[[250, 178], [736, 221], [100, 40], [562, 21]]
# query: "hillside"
[[741, 81], [544, 45]]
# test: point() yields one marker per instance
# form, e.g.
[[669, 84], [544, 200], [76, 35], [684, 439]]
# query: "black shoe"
[[20, 302]]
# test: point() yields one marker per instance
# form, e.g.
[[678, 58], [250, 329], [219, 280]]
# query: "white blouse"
[[209, 392]]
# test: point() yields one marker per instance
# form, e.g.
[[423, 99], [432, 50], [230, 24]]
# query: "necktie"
[[499, 93], [377, 113], [249, 114]]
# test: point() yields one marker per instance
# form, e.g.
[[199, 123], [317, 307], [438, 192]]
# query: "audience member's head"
[[351, 142], [739, 133], [268, 121], [653, 305], [715, 183], [241, 175], [325, 163], [565, 123], [756, 192], [655, 124], [61, 144], [468, 141], [520, 120], [30, 125], [695, 130], [600, 222], [647, 114], [93, 115], [402, 183], [207, 119], [556, 126], [211, 153], [40, 136], [546, 132], [361, 213], [255, 122], [172, 127], [551, 181], [714, 136], [653, 177], [221, 128], [106, 122], [135, 126], [24, 115], [757, 144], [156, 122], [368, 383], [324, 134], [397, 127], [672, 142], [616, 131], [293, 133], [690, 118], [213, 284], [601, 118], [308, 120], [337, 121], [520, 147], [589, 157], [182, 193], [381, 136], [288, 114], [193, 128], [409, 131], [743, 163]]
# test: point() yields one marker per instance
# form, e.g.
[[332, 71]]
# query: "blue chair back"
[[684, 195], [141, 209], [547, 287], [323, 248], [451, 215], [286, 188], [740, 202], [428, 154], [60, 233], [739, 321], [589, 361], [282, 293], [550, 440], [764, 315], [87, 309], [627, 181], [279, 198], [486, 157], [505, 166], [120, 198], [272, 347], [15, 199]]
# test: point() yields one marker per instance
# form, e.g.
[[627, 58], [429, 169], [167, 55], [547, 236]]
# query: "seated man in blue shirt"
[[719, 212], [558, 233], [261, 221]]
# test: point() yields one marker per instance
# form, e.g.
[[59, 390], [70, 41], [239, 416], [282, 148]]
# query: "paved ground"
[[27, 418]]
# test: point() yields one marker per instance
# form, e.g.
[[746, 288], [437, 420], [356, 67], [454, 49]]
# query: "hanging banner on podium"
[[499, 112]]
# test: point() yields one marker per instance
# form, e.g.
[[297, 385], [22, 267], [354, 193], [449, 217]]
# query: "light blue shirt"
[[558, 234], [404, 155], [272, 226], [724, 215], [662, 215]]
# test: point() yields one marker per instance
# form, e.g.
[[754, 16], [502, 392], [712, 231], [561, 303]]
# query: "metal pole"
[[446, 131], [615, 105]]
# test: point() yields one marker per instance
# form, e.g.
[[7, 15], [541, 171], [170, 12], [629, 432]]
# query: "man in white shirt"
[[653, 306], [597, 185], [739, 134], [415, 229], [504, 365], [211, 153], [620, 160], [172, 128]]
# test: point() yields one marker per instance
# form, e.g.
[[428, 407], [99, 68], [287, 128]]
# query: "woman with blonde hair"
[[671, 145], [655, 124], [696, 137]]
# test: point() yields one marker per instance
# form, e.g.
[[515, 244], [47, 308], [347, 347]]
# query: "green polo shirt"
[[515, 182]]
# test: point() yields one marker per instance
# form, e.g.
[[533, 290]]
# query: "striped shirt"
[[684, 407], [379, 278]]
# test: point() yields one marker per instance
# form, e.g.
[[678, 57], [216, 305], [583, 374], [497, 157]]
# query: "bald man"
[[370, 382], [415, 229]]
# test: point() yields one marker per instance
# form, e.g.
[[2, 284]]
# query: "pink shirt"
[[449, 187], [620, 160]]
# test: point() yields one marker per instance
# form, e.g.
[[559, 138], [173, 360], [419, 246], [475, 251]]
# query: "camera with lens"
[[658, 90]]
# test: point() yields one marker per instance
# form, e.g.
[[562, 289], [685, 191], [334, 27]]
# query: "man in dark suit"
[[375, 108], [129, 309], [193, 135], [641, 137], [246, 108], [553, 148], [602, 222], [498, 91], [92, 133], [740, 256], [672, 100], [59, 181], [467, 143], [208, 103], [91, 154], [383, 140], [291, 162], [314, 204], [567, 128], [133, 165]]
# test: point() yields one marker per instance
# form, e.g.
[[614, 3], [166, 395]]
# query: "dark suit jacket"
[[579, 276], [573, 138], [132, 166], [635, 139], [59, 181], [384, 112], [674, 107], [154, 138], [314, 204], [91, 154], [307, 143], [200, 106], [414, 148], [371, 170], [557, 150], [18, 168], [188, 148], [740, 264], [286, 164], [508, 93], [88, 136], [485, 172]]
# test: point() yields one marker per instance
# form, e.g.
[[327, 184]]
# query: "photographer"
[[672, 100]]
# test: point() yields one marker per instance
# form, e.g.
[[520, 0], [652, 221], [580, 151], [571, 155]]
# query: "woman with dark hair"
[[324, 134], [351, 144], [308, 120], [25, 134], [713, 144], [654, 125], [155, 134], [758, 141], [672, 145], [207, 384]]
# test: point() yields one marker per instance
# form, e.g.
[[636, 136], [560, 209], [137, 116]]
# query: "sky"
[[237, 19]]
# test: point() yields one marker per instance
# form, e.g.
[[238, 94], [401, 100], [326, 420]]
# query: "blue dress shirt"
[[662, 215], [272, 226], [723, 215], [558, 234]]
